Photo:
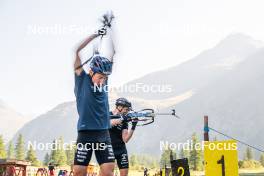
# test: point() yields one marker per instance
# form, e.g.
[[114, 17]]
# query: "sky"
[[36, 56]]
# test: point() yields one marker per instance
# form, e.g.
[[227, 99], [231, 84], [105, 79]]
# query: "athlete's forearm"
[[115, 122], [77, 61], [128, 136], [86, 42]]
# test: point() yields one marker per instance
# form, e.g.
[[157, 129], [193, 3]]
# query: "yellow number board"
[[221, 158]]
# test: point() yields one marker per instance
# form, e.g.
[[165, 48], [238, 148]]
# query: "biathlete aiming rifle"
[[144, 116]]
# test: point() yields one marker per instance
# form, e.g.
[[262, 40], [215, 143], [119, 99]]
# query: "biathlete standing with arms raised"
[[92, 106]]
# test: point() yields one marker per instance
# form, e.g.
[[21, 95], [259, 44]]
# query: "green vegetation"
[[58, 155], [70, 151], [31, 156], [2, 148], [249, 162], [46, 159], [138, 162], [65, 156], [165, 157], [261, 160], [184, 153], [20, 148], [11, 151], [195, 159]]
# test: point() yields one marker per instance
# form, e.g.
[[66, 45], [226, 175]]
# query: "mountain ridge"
[[220, 96]]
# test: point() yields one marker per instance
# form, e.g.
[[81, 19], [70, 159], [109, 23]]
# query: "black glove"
[[134, 123], [107, 18]]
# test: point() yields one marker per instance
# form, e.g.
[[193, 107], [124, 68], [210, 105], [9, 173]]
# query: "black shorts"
[[97, 141], [121, 156]]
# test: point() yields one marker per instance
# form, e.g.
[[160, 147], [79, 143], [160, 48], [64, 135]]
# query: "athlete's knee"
[[106, 173], [107, 169], [123, 172], [79, 170]]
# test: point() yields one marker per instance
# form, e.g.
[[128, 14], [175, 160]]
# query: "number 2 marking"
[[181, 171]]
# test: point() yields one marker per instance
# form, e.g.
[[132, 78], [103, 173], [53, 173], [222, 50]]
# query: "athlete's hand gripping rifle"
[[145, 116]]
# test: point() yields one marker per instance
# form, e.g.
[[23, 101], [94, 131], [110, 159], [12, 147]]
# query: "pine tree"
[[20, 148], [249, 154], [58, 155], [61, 153], [154, 163], [195, 155], [2, 148], [31, 156], [46, 159], [166, 157], [184, 154], [262, 160], [215, 138], [138, 161], [11, 151], [54, 153], [133, 160], [70, 154]]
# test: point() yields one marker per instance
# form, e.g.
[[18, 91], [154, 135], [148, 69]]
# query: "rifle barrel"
[[170, 114]]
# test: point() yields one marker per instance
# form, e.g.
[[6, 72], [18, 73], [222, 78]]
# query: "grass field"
[[259, 172]]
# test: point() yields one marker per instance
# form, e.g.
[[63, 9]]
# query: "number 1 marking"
[[222, 162]]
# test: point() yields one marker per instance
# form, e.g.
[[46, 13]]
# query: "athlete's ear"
[[119, 108]]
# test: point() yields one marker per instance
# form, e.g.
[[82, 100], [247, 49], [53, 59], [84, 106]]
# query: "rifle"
[[144, 116]]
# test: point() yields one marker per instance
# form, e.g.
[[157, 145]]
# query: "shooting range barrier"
[[220, 157]]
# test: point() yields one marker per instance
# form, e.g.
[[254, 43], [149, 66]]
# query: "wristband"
[[133, 126]]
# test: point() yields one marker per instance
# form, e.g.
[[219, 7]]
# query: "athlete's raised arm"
[[77, 63]]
